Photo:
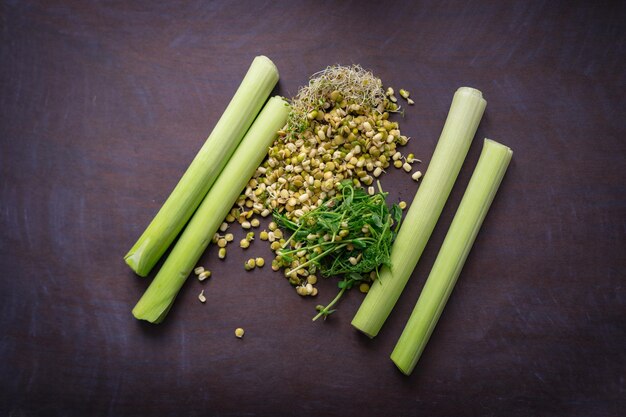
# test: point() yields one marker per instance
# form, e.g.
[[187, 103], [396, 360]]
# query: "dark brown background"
[[104, 105]]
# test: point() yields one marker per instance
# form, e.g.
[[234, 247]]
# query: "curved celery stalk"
[[206, 166], [493, 162], [158, 298], [465, 113]]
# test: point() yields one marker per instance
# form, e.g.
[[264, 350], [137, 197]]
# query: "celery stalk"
[[158, 298], [465, 113], [206, 166], [493, 162]]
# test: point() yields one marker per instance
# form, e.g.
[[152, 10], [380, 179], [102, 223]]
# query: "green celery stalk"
[[206, 166], [159, 297], [492, 164], [465, 113]]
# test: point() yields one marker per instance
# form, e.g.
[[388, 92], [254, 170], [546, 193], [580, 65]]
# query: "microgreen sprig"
[[349, 236]]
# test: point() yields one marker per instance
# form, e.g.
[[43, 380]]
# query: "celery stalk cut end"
[[134, 258]]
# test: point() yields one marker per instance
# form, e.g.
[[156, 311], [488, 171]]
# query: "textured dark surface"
[[104, 105]]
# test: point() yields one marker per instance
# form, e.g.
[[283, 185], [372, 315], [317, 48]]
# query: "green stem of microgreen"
[[292, 235], [321, 255], [326, 310]]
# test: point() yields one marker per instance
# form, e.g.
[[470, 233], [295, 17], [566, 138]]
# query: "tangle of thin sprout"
[[356, 85]]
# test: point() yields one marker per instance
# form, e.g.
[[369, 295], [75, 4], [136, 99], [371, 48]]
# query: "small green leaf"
[[359, 244], [353, 276], [377, 221], [396, 213]]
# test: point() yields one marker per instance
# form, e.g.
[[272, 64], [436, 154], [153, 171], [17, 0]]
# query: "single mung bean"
[[251, 263]]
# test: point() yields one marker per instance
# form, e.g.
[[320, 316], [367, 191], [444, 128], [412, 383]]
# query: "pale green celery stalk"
[[158, 298], [465, 113], [480, 192], [206, 166]]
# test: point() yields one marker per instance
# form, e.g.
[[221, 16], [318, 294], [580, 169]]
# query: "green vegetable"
[[349, 235], [206, 166], [465, 113], [476, 201], [160, 295]]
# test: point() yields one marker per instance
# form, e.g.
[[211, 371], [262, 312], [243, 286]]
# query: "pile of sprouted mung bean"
[[338, 130]]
